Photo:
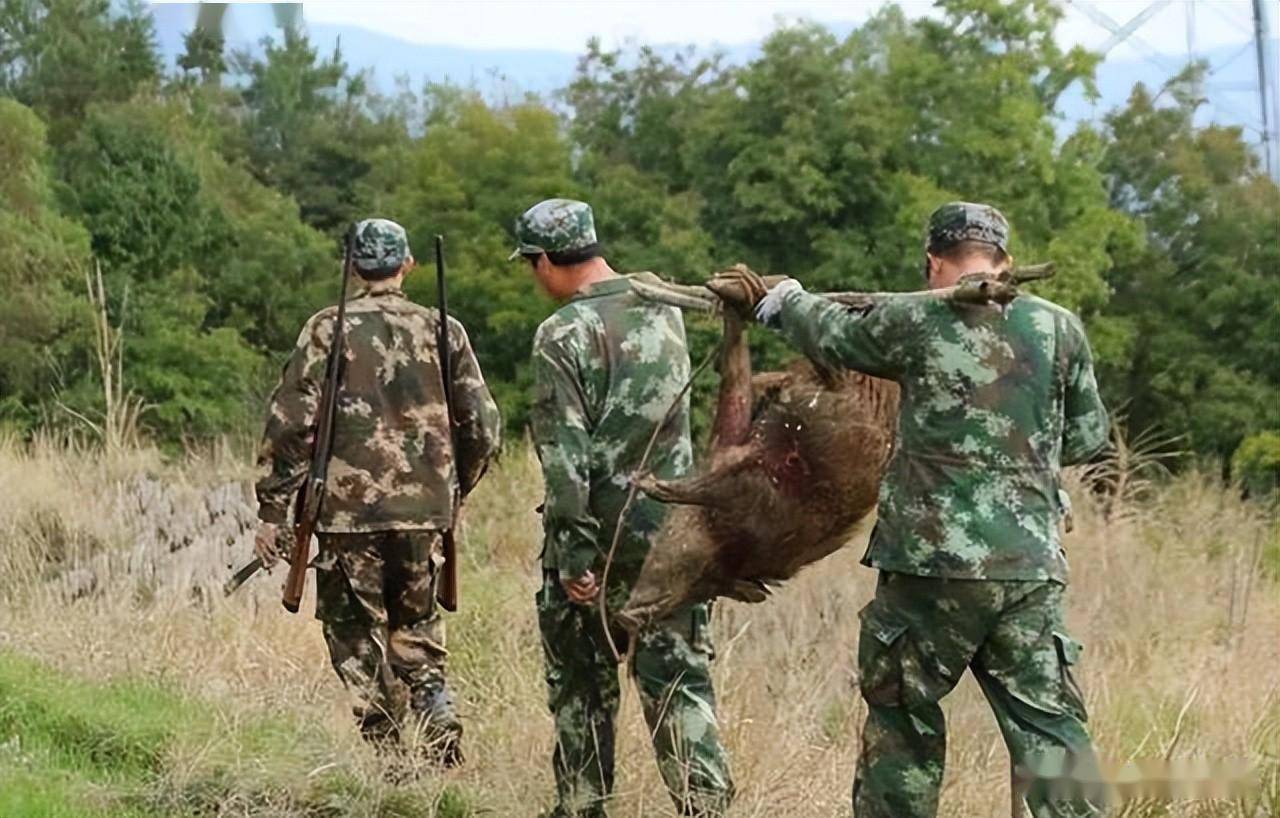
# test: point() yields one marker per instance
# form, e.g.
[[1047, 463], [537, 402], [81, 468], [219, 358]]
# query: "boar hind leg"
[[733, 407], [715, 488]]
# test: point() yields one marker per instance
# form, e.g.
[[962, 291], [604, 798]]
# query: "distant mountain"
[[509, 73], [505, 70]]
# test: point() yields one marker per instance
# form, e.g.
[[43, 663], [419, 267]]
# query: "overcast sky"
[[564, 25]]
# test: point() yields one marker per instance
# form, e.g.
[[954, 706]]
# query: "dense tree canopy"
[[1199, 304], [213, 199], [42, 263], [58, 56]]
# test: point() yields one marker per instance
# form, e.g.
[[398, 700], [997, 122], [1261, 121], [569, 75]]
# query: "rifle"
[[241, 576], [311, 495], [447, 591]]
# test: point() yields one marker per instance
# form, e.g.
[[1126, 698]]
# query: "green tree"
[[203, 51], [310, 129], [1256, 464], [1200, 302], [57, 56], [215, 211], [475, 168], [219, 272], [42, 262], [636, 108], [823, 157]]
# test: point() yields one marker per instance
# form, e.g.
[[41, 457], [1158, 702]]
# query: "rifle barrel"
[[241, 576], [447, 592]]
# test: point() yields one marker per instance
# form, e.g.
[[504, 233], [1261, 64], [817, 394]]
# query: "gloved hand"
[[769, 308], [740, 288]]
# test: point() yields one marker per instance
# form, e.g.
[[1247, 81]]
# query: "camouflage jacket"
[[392, 467], [992, 406], [607, 367]]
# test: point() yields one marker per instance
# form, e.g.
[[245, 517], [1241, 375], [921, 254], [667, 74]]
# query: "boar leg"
[[732, 425], [715, 488], [731, 429]]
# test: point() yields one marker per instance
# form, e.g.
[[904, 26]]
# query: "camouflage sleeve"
[[868, 339], [1085, 426], [478, 424], [561, 436], [285, 453]]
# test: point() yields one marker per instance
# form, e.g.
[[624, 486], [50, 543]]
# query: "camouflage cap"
[[553, 226], [381, 245], [966, 221]]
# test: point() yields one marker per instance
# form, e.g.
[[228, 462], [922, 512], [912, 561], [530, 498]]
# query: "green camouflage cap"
[[966, 221], [553, 226], [380, 245]]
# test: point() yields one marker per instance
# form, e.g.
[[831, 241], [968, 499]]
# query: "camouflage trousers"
[[917, 637], [376, 598], [671, 667]]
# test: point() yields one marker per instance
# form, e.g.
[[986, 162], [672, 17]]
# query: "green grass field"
[[75, 747]]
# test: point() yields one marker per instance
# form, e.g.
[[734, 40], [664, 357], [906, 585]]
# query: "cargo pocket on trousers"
[[881, 641], [1068, 655]]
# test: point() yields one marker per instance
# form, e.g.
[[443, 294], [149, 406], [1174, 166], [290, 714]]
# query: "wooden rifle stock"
[[447, 589], [296, 582], [447, 595]]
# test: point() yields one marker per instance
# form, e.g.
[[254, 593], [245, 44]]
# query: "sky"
[[564, 25]]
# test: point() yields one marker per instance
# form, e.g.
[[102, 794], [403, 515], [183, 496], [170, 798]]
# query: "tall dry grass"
[[1172, 598]]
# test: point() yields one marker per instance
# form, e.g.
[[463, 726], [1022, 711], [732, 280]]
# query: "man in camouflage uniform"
[[972, 573], [608, 365], [392, 480]]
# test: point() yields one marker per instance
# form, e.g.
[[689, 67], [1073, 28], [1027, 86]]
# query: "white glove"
[[769, 309]]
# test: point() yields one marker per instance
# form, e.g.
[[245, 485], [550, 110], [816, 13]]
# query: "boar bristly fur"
[[785, 484]]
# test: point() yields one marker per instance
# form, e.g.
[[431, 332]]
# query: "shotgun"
[[447, 591], [307, 506], [311, 494]]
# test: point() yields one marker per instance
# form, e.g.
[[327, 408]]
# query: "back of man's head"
[[962, 251], [380, 247], [959, 231]]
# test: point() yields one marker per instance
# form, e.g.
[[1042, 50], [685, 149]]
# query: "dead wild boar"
[[795, 464]]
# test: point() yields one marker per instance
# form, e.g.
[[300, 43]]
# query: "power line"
[[1125, 33], [1267, 86]]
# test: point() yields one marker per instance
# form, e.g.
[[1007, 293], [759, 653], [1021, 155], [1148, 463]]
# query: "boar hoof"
[[628, 621], [660, 490]]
